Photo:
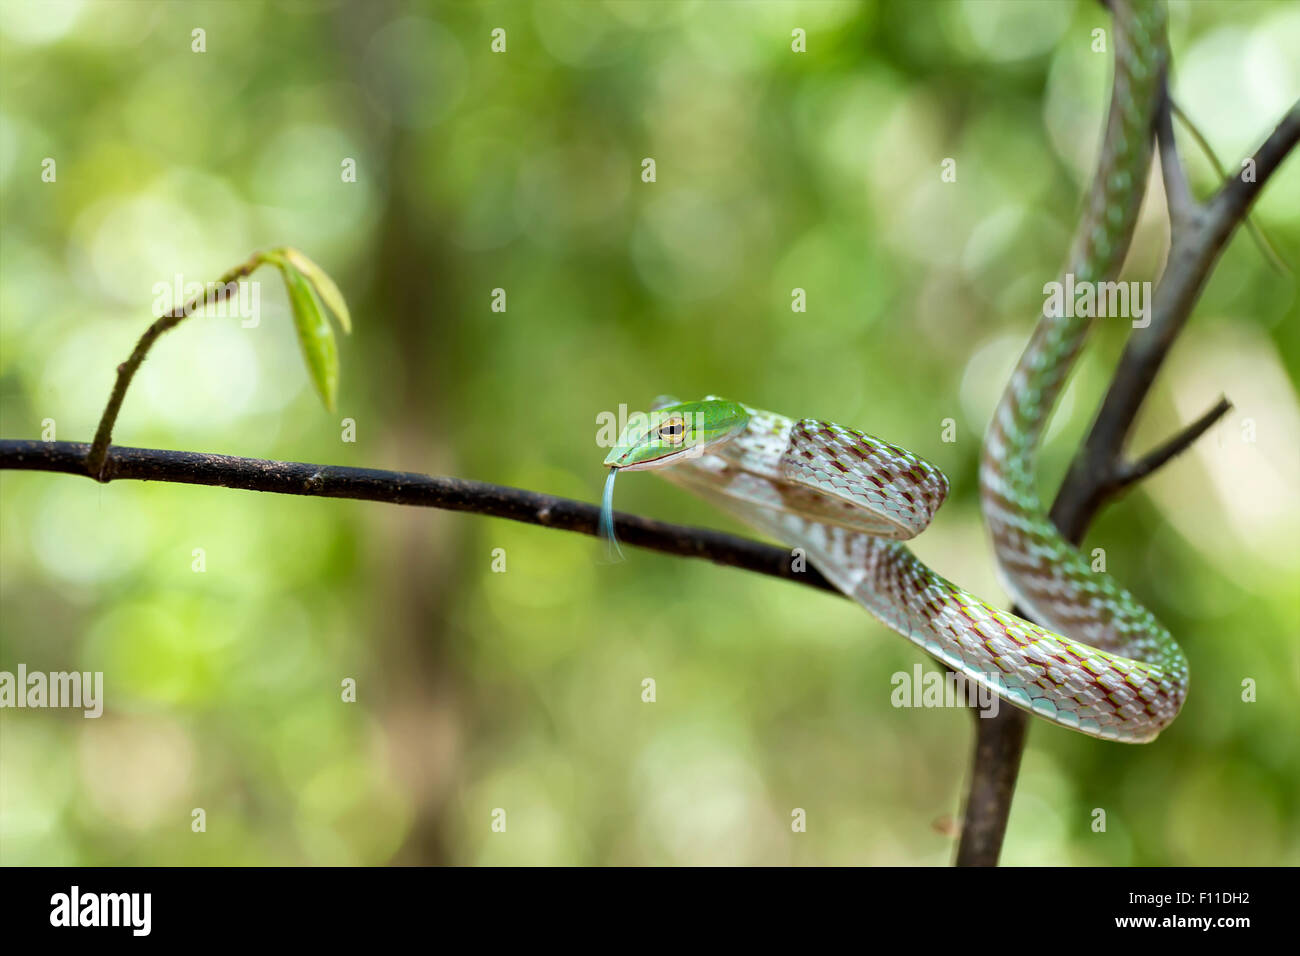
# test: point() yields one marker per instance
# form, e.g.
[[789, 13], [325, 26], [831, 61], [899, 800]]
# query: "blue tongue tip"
[[614, 552]]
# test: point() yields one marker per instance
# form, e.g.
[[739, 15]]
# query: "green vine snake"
[[1100, 663]]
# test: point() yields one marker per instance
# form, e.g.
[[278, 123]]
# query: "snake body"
[[848, 499]]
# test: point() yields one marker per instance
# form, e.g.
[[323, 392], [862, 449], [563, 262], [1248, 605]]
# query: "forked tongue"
[[612, 549]]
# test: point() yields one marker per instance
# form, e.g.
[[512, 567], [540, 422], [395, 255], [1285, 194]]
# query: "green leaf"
[[314, 332], [325, 286]]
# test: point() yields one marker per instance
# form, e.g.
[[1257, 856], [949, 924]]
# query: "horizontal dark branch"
[[406, 488]]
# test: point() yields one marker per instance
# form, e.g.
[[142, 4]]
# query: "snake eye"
[[673, 432]]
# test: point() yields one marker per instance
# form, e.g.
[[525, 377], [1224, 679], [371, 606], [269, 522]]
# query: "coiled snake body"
[[849, 499]]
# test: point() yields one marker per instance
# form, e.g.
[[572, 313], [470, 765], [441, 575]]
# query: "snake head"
[[675, 433]]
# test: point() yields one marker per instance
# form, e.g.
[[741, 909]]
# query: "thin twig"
[[1182, 205], [224, 288], [1131, 472]]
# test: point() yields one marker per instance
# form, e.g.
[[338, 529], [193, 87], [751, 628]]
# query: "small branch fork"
[[1198, 235], [1199, 231]]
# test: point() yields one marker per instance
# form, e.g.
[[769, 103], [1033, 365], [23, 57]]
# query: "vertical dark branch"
[[999, 745], [1099, 470]]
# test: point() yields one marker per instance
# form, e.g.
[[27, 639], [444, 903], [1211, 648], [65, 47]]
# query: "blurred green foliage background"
[[522, 170]]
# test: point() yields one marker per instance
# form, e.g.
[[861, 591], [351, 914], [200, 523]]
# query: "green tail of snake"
[[1099, 663]]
